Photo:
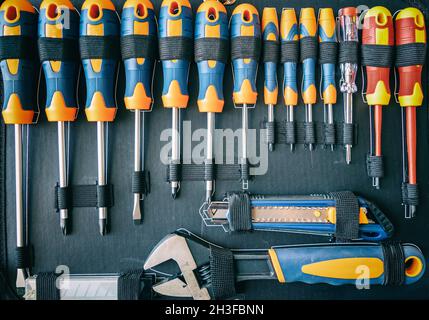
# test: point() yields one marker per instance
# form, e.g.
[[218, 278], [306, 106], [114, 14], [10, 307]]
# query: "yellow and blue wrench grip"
[[19, 76], [61, 76], [211, 73], [270, 32], [175, 72], [138, 71], [340, 264]]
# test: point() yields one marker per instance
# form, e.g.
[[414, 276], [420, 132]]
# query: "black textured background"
[[85, 251]]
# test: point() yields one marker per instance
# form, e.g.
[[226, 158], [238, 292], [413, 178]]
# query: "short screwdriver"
[[61, 74], [327, 60], [211, 43], [308, 43], [245, 52], [377, 50], [270, 37], [138, 43], [289, 58], [175, 49], [18, 26], [410, 58], [99, 24]]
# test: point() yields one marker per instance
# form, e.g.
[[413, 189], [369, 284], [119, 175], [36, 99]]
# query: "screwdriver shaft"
[[290, 118], [244, 133], [137, 217], [209, 151], [63, 171], [101, 157], [175, 145], [348, 119], [309, 119]]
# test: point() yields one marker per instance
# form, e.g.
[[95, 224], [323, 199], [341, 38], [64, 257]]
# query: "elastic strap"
[[244, 170], [129, 285], [46, 286], [176, 48], [271, 51], [410, 54], [200, 172], [410, 194], [348, 133], [347, 215], [141, 182], [375, 55], [239, 211], [17, 47], [381, 218], [245, 47], [209, 170], [328, 52], [99, 47], [308, 48], [289, 51], [174, 172], [222, 272], [394, 264], [290, 133], [211, 49], [329, 133], [310, 135], [84, 196], [374, 166], [349, 52], [271, 132], [139, 46], [54, 49], [23, 257]]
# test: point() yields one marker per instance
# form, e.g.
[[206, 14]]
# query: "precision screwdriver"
[[61, 74], [175, 48], [99, 24], [18, 26], [211, 43], [289, 58], [327, 60], [270, 36], [377, 50], [138, 43], [245, 52], [410, 42], [308, 43]]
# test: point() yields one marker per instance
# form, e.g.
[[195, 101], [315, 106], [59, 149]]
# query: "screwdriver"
[[18, 26], [289, 58], [327, 60], [175, 48], [211, 43], [348, 59], [61, 74], [245, 52], [138, 40], [410, 58], [377, 49], [308, 43], [99, 24], [270, 36]]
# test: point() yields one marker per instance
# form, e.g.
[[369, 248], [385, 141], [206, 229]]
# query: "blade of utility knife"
[[173, 288]]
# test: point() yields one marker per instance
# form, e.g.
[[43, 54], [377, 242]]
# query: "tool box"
[[280, 172]]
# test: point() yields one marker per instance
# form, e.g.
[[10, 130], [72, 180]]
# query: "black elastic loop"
[[99, 47], [244, 170], [328, 52], [381, 218], [271, 132], [347, 215], [176, 48], [349, 52], [289, 51], [64, 198], [211, 49], [271, 51], [129, 285], [46, 286], [23, 257], [18, 47], [197, 172], [375, 55], [290, 132], [222, 273], [245, 47], [310, 134], [140, 182], [104, 196], [308, 48], [174, 172], [84, 196], [348, 134], [394, 264], [139, 46], [209, 172], [410, 54], [374, 166], [329, 133], [239, 211], [410, 194]]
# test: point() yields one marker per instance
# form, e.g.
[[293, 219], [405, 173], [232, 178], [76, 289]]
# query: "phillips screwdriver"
[[377, 49], [308, 43], [211, 43], [175, 47], [327, 60], [348, 59], [61, 74], [410, 58], [99, 24], [270, 36], [289, 58], [18, 26], [138, 31], [245, 52]]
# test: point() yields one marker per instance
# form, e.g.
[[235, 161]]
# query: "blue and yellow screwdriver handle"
[[211, 22], [327, 33], [99, 18], [289, 34], [270, 32], [308, 28], [138, 18], [18, 18], [175, 20], [58, 19], [245, 23], [341, 264]]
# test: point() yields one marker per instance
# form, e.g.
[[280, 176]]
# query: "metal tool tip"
[[413, 210], [310, 147], [137, 222], [332, 147], [64, 228], [174, 192], [271, 147], [292, 148], [102, 224]]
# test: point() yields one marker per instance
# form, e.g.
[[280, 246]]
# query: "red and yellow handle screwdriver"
[[211, 38], [410, 58], [245, 52], [270, 37], [138, 26], [18, 31], [308, 43], [377, 42], [175, 31], [99, 23], [61, 74]]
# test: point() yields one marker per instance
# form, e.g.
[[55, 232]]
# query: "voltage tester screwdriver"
[[61, 74], [138, 37], [211, 43], [99, 24]]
